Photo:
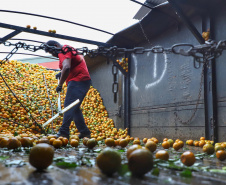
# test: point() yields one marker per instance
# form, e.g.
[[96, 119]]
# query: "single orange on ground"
[[223, 145], [181, 143], [189, 142], [196, 143], [110, 142], [151, 145], [140, 161], [162, 154], [171, 142], [74, 137], [57, 143], [74, 142], [188, 158], [145, 140], [132, 148], [91, 143], [123, 143], [84, 140], [25, 142], [202, 143], [218, 147], [51, 140], [108, 161], [208, 148], [13, 143], [176, 146], [221, 155], [202, 138], [64, 141], [136, 141], [165, 144], [41, 156], [165, 139]]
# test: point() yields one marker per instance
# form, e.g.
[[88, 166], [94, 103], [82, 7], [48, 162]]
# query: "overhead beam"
[[9, 36], [38, 32], [187, 22]]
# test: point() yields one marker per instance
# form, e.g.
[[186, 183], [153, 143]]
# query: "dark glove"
[[58, 75], [59, 88]]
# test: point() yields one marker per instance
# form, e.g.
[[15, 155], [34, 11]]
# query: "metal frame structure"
[[210, 98], [18, 29], [209, 74]]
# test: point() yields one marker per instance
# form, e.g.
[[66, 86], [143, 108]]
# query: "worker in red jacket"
[[76, 75]]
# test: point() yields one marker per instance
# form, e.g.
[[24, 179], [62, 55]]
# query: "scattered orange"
[[4, 142], [110, 142], [188, 158], [202, 138], [181, 143], [123, 143], [108, 161], [145, 140], [74, 142], [140, 161], [223, 145], [176, 146], [165, 144], [41, 156], [196, 143], [73, 137], [151, 145], [13, 143], [208, 148], [202, 143], [91, 143], [64, 141], [162, 154], [221, 155], [165, 139], [189, 142], [51, 140], [57, 143], [136, 141], [132, 148], [218, 147], [84, 140], [25, 142], [171, 142]]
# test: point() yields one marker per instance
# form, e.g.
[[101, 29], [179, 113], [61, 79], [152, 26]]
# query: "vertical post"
[[210, 90], [127, 110], [210, 96]]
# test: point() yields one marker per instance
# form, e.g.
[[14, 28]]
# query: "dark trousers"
[[75, 90]]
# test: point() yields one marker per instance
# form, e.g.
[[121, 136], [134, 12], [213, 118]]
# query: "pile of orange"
[[35, 86], [123, 63]]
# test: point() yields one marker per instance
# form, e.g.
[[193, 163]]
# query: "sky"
[[109, 15]]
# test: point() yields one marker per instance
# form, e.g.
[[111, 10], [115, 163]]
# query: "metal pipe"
[[9, 36], [31, 55], [127, 108], [210, 89], [63, 20], [3, 25]]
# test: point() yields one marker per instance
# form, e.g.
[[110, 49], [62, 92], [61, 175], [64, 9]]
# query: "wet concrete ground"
[[16, 170]]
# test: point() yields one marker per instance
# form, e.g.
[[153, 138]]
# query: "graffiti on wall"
[[156, 75]]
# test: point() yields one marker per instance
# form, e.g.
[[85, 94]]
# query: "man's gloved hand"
[[59, 88], [58, 75]]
